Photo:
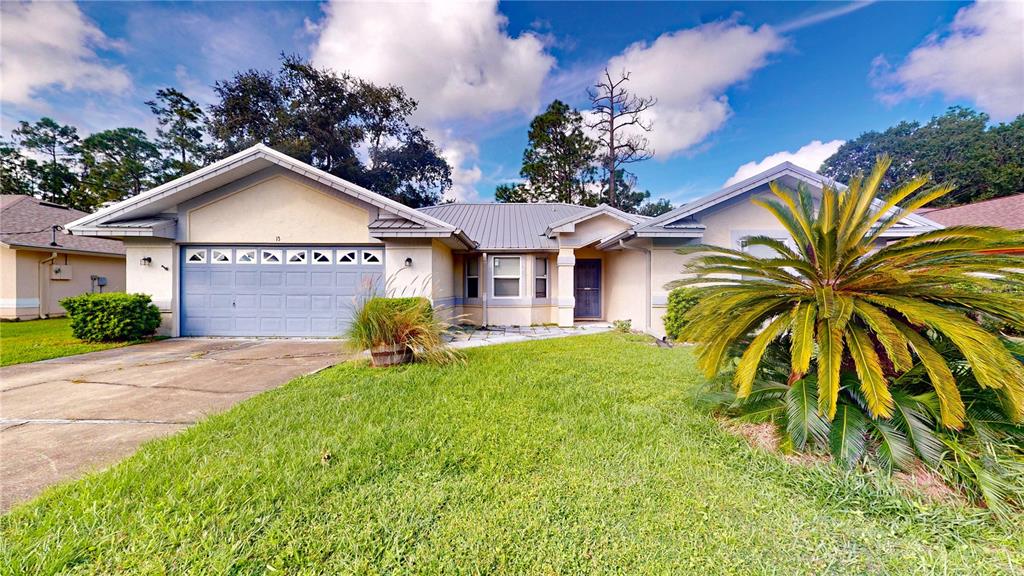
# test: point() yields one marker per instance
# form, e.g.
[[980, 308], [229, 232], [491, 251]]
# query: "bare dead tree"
[[619, 125]]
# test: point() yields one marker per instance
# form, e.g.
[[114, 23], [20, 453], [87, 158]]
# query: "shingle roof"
[[506, 226], [1006, 212], [27, 221]]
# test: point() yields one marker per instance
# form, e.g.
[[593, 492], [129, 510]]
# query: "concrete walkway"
[[61, 418], [473, 337]]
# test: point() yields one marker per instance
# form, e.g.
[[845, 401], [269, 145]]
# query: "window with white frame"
[[540, 278], [296, 256], [473, 277], [371, 256], [507, 271], [346, 256], [245, 256], [321, 256], [220, 255], [270, 257], [195, 255]]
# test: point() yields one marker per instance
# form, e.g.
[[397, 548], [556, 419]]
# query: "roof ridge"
[[985, 201]]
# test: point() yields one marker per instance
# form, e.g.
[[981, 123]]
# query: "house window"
[[473, 277], [220, 256], [506, 276], [245, 256], [321, 256], [296, 256], [270, 257], [371, 257], [195, 256], [346, 256], [540, 280]]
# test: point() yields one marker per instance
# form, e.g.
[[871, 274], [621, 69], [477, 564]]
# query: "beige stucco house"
[[40, 264], [260, 244]]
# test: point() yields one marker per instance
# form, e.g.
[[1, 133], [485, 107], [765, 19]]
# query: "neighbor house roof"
[[507, 226], [27, 222], [1006, 212]]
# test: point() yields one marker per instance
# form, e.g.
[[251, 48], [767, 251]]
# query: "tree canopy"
[[959, 147]]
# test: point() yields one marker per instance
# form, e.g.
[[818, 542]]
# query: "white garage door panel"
[[267, 291]]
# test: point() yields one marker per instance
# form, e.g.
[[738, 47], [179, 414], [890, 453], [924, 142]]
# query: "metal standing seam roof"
[[506, 226]]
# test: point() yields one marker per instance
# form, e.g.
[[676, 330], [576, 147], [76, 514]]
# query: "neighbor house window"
[[473, 277], [506, 276], [540, 280]]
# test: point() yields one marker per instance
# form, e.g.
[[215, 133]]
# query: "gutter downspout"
[[44, 281], [647, 282], [483, 287]]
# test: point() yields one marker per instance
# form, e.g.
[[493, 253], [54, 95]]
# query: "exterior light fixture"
[[146, 261], [408, 262]]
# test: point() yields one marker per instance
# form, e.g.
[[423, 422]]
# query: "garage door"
[[275, 291]]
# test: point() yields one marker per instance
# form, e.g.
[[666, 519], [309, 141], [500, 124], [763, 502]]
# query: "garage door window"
[[296, 256], [195, 256], [245, 256], [321, 256], [346, 256], [220, 256], [270, 257], [371, 257]]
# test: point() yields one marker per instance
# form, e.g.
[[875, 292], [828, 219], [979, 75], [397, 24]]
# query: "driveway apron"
[[62, 418]]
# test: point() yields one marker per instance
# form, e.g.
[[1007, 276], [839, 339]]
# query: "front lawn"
[[572, 456], [42, 339]]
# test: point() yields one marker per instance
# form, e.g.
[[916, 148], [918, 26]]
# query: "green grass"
[[43, 339], [581, 455]]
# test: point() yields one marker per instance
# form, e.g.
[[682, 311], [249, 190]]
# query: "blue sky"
[[738, 83]]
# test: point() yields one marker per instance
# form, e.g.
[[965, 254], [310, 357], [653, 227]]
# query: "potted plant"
[[398, 330]]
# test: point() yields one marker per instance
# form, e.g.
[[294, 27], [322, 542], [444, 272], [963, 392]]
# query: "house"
[[40, 264], [1005, 212], [261, 244]]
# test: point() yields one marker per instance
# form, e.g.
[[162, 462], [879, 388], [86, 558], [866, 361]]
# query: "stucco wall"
[[626, 288], [277, 209], [160, 283], [415, 280], [738, 218], [22, 272]]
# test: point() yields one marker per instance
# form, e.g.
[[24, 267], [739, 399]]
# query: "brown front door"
[[588, 289]]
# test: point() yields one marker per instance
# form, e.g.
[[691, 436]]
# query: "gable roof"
[[149, 205], [1005, 212], [507, 226], [786, 171], [27, 222], [568, 223]]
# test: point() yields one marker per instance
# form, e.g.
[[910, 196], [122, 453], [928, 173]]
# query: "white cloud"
[[688, 71], [810, 156], [980, 58], [462, 155], [455, 58], [45, 45]]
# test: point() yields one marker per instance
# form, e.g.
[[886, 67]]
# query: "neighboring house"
[[1005, 212], [261, 244], [39, 265]]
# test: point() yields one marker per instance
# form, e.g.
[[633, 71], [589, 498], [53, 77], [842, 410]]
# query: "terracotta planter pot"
[[390, 355]]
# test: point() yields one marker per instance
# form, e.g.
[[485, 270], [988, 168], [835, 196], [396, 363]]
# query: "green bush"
[[112, 316], [403, 321], [680, 301]]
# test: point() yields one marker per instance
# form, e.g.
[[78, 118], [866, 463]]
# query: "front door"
[[588, 289]]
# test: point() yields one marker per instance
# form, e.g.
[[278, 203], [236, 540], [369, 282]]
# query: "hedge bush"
[[111, 316], [680, 301]]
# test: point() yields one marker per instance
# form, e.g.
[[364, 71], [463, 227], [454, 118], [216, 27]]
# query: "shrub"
[[380, 322], [111, 316], [680, 301], [624, 326]]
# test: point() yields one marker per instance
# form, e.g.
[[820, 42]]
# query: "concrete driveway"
[[64, 417]]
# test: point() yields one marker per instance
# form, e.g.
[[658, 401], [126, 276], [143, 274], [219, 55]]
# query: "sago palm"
[[848, 300]]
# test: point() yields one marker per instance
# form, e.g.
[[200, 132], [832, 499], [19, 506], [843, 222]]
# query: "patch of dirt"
[[929, 484], [765, 436]]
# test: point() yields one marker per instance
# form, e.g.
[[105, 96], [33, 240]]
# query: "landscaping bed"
[[574, 456]]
